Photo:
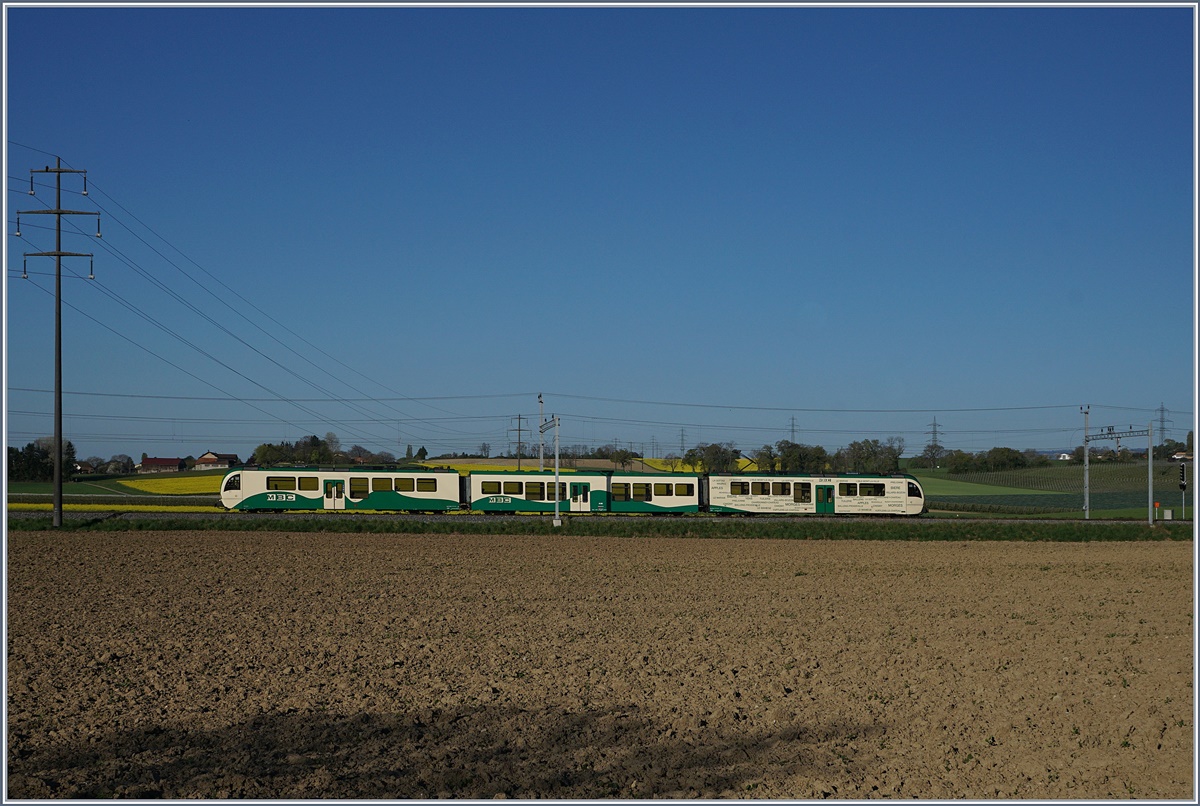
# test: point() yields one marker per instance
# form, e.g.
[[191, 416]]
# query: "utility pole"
[[544, 427], [519, 418], [1087, 511], [541, 435], [58, 254], [793, 428], [934, 447], [1162, 423], [1110, 432]]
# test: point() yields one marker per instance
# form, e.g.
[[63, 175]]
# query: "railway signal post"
[[1183, 489]]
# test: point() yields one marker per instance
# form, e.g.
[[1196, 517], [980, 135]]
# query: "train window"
[[406, 485], [685, 489], [914, 491], [662, 489], [234, 482], [620, 492], [512, 488], [874, 490], [847, 489], [535, 490], [359, 487], [760, 488], [489, 487], [781, 488], [427, 485], [739, 488], [802, 493], [643, 492], [281, 482], [381, 484], [310, 483], [562, 491]]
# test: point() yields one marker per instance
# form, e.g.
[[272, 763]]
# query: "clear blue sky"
[[408, 222]]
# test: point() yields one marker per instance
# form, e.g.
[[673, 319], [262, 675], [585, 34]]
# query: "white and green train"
[[290, 488], [843, 494], [585, 491], [534, 491]]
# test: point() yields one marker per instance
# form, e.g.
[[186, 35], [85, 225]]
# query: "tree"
[[932, 454], [871, 456], [795, 458], [120, 463], [485, 450], [1003, 459], [672, 462], [268, 454], [318, 451], [421, 454], [35, 462], [359, 453], [16, 467], [765, 458], [332, 442], [719, 457], [622, 458]]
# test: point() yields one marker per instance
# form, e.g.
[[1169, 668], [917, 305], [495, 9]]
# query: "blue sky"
[[401, 225]]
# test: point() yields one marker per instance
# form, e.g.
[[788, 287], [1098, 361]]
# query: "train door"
[[825, 499], [335, 494], [581, 493]]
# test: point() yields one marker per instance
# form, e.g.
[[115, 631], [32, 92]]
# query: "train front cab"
[[853, 494], [849, 494], [231, 489]]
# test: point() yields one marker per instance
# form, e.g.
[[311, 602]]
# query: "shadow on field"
[[478, 752]]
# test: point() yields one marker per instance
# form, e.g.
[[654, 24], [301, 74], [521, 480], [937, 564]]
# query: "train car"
[[533, 491], [655, 493], [842, 494], [289, 488]]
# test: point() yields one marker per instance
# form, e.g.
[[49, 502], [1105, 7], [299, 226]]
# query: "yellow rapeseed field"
[[106, 508], [185, 484]]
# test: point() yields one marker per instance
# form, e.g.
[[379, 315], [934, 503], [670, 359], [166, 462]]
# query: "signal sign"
[[1183, 476]]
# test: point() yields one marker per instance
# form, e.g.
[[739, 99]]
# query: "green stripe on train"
[[645, 506], [382, 500], [597, 502]]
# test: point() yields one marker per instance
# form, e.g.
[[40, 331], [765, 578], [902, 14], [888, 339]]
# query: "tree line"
[[314, 450], [35, 462]]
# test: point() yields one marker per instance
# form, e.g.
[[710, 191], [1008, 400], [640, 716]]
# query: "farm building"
[[216, 461], [156, 465]]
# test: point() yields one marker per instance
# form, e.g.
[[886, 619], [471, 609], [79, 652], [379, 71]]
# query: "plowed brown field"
[[206, 664]]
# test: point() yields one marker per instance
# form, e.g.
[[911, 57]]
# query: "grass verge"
[[600, 526]]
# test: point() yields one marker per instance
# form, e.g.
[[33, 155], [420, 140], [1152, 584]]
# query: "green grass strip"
[[690, 527]]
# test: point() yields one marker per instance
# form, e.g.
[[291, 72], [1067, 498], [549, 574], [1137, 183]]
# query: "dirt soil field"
[[234, 665]]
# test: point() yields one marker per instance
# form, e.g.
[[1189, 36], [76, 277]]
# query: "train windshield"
[[914, 491], [234, 482]]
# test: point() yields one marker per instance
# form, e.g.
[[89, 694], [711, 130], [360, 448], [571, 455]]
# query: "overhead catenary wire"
[[362, 400], [212, 321]]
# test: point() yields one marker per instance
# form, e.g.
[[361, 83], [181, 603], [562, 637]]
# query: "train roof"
[[342, 469], [813, 475]]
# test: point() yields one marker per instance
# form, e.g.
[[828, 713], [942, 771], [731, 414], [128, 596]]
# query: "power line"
[[212, 321], [802, 409]]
